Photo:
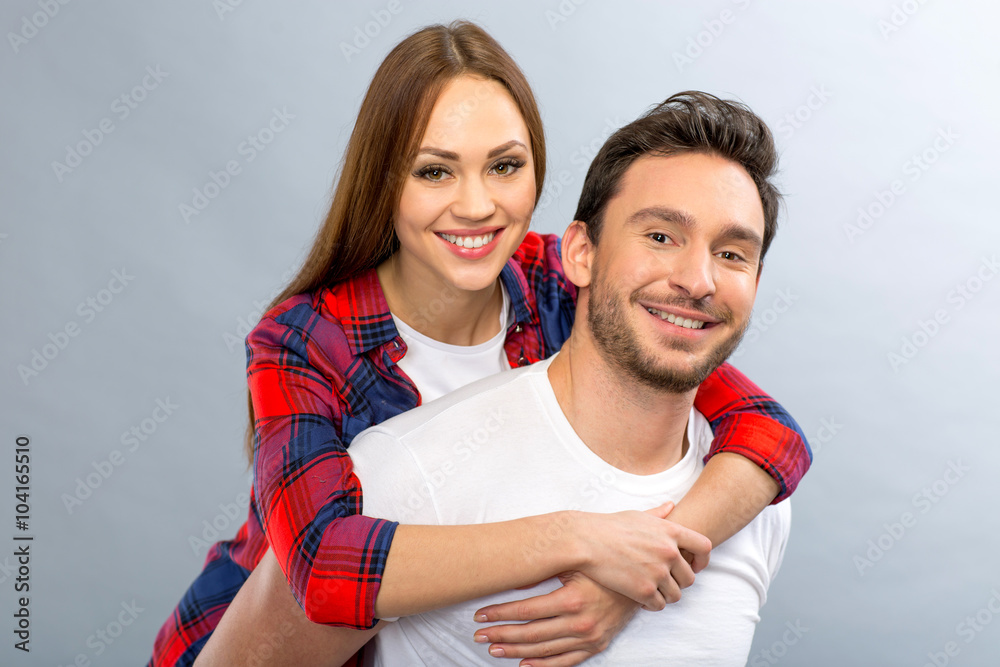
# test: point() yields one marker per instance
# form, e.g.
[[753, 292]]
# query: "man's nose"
[[693, 273]]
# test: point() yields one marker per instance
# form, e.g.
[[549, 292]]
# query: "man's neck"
[[634, 427]]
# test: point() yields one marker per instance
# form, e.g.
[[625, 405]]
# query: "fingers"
[[526, 641], [538, 607], [682, 577], [539, 655], [662, 511], [699, 562], [562, 660], [693, 542], [546, 637]]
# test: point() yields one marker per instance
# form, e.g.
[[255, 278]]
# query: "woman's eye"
[[431, 173], [507, 167]]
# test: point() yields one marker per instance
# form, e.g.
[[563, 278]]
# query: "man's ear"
[[577, 254]]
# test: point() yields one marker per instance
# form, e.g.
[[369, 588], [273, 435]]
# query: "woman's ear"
[[577, 253]]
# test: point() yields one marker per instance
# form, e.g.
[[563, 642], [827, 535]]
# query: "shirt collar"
[[359, 303]]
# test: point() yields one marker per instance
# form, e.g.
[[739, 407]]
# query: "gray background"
[[852, 103]]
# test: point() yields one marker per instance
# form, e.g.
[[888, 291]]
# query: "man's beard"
[[617, 338]]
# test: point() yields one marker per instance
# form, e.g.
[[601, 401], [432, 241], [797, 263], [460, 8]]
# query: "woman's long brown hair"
[[358, 232]]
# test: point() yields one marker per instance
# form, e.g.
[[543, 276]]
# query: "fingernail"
[[480, 639], [481, 618], [496, 652]]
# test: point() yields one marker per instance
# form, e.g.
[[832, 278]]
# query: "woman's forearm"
[[265, 625], [435, 566], [728, 494], [637, 554]]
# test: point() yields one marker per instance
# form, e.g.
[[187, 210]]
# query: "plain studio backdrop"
[[166, 165]]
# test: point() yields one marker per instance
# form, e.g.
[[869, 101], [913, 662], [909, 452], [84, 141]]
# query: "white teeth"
[[679, 321], [469, 241]]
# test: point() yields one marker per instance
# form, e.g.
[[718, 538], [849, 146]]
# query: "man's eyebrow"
[[731, 232], [451, 155], [735, 232], [662, 214]]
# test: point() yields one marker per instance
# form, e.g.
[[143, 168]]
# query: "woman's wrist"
[[554, 543]]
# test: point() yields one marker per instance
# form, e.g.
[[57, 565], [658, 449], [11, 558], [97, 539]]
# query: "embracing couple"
[[409, 485]]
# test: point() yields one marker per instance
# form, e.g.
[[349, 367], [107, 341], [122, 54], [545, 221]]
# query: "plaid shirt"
[[321, 369]]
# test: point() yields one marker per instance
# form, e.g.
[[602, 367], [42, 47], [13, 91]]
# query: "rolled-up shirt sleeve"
[[307, 495], [748, 422]]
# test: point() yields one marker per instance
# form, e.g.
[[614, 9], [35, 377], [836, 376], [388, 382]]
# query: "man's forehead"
[[677, 188]]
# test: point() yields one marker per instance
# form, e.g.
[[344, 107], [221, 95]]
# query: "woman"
[[439, 180]]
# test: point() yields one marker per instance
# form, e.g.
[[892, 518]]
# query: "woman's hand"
[[638, 554], [565, 627]]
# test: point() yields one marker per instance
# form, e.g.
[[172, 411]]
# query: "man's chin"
[[681, 375]]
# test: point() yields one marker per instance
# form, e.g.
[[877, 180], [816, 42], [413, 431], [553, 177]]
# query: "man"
[[666, 250]]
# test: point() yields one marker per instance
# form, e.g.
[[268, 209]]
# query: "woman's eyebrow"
[[503, 148], [439, 152], [451, 155]]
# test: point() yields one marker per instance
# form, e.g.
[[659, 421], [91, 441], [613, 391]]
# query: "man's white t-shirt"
[[501, 448]]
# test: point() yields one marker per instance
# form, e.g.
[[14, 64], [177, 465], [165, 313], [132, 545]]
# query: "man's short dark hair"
[[688, 122]]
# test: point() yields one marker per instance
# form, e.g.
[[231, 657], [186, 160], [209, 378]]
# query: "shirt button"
[[517, 329], [521, 361]]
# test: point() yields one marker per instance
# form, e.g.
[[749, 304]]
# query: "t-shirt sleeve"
[[306, 493], [395, 485], [748, 422], [779, 538]]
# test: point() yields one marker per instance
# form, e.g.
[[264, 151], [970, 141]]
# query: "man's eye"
[[659, 237], [730, 256]]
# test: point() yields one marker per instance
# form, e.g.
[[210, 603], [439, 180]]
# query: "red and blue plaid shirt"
[[322, 368]]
